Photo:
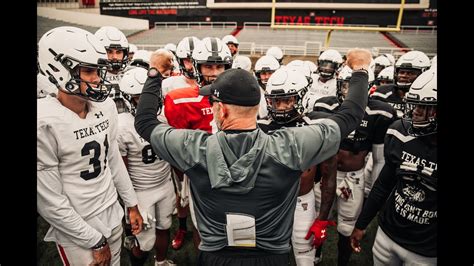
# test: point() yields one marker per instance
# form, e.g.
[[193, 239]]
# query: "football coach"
[[244, 183]]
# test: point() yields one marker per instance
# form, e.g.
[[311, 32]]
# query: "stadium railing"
[[194, 24]]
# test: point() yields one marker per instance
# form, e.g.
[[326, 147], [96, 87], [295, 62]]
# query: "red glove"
[[319, 230]]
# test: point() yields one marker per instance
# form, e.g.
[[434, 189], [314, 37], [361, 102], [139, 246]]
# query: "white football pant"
[[304, 216], [348, 210], [386, 252], [75, 255], [156, 206]]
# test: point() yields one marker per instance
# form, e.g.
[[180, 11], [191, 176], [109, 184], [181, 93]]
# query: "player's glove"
[[319, 230]]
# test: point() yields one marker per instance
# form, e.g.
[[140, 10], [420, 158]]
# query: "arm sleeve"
[[351, 111], [119, 171], [180, 147], [120, 176], [122, 143], [382, 188], [52, 204], [148, 107], [378, 162]]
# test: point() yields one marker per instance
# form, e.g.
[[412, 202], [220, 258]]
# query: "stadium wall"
[[198, 11]]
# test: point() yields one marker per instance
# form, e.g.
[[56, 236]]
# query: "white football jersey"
[[318, 90], [113, 78], [172, 83], [44, 87], [262, 108], [79, 169], [145, 168]]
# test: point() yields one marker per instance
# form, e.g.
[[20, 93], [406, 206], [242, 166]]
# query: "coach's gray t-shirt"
[[247, 173]]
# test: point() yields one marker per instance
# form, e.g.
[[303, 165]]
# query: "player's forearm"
[[328, 186], [381, 190], [120, 177], [378, 161], [56, 209], [148, 107]]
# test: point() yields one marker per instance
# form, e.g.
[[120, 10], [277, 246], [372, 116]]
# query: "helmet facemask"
[[405, 76], [421, 117], [342, 89], [132, 101], [327, 69], [94, 92], [293, 100], [118, 65], [263, 83], [200, 78], [190, 74]]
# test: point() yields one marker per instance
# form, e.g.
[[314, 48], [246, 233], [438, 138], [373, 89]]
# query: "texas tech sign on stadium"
[[292, 12]]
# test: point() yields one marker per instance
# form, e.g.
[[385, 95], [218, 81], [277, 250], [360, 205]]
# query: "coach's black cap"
[[234, 86]]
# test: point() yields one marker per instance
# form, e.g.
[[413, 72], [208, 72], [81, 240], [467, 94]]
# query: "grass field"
[[48, 255]]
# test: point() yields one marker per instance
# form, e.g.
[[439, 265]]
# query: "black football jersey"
[[389, 93], [377, 118], [410, 214], [269, 126]]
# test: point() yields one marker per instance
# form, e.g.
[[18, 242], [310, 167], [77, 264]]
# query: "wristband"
[[101, 244], [361, 70]]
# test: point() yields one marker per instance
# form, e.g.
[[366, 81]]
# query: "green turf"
[[48, 255]]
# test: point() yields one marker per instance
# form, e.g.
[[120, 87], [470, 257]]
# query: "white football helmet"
[[283, 86], [390, 58], [328, 63], [312, 66], [141, 59], [434, 61], [131, 85], [113, 38], [303, 67], [62, 51], [170, 47], [210, 50], [276, 52], [266, 63], [230, 39], [242, 62], [421, 101], [132, 49], [184, 50], [408, 67], [385, 76], [381, 62]]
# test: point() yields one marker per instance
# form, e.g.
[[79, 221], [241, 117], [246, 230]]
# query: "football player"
[[407, 68], [284, 92], [79, 170], [184, 52], [151, 179], [264, 68], [407, 184], [351, 158], [325, 80], [232, 43], [187, 79], [116, 45]]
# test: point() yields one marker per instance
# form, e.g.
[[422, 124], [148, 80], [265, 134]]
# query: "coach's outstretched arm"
[[151, 99], [351, 111]]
